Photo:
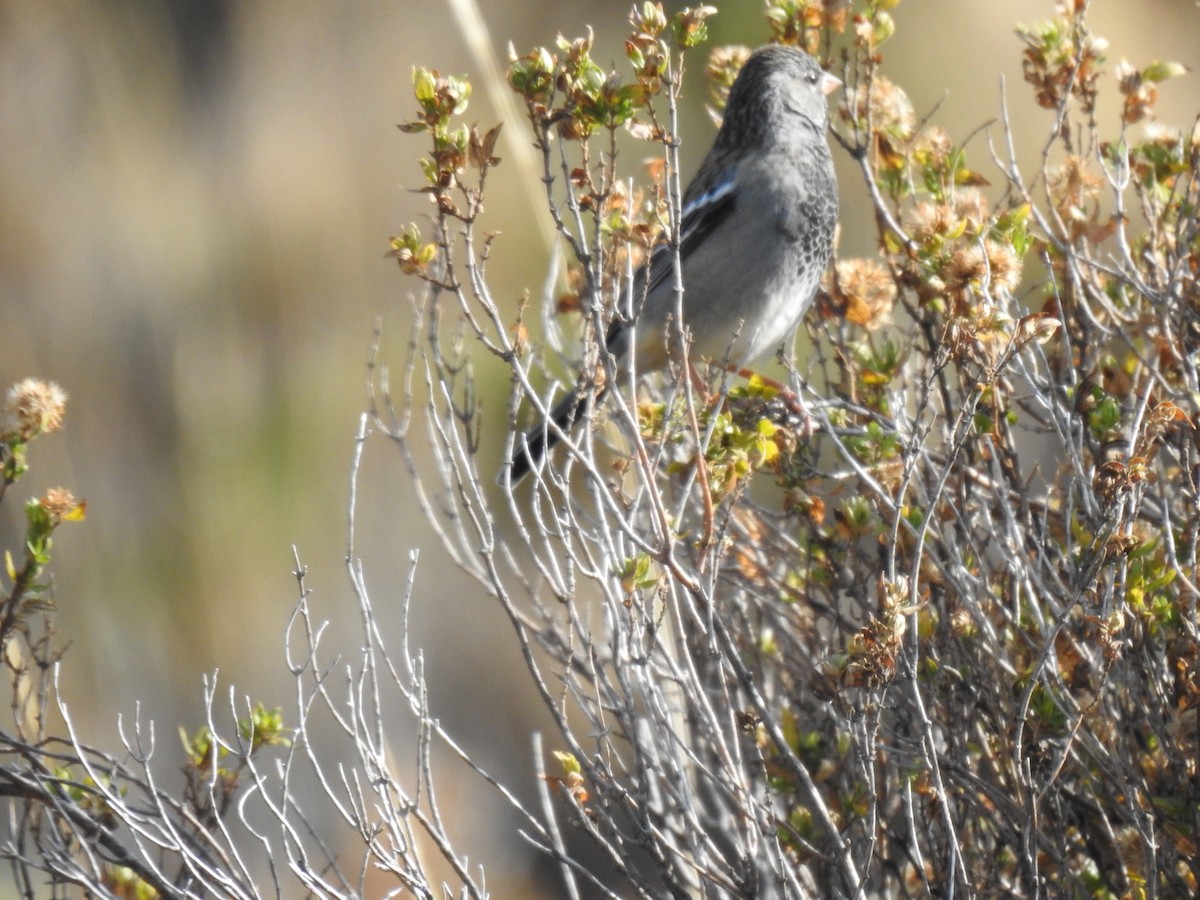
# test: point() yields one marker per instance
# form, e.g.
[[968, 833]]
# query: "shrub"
[[944, 641]]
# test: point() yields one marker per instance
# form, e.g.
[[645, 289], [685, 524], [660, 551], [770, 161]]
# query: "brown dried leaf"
[[1038, 327]]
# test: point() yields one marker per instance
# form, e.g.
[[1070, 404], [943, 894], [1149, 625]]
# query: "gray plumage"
[[755, 235]]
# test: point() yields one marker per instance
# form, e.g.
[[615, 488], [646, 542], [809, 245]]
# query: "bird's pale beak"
[[829, 83]]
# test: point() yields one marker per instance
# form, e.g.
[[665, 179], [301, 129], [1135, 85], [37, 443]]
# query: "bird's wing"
[[707, 203], [705, 207]]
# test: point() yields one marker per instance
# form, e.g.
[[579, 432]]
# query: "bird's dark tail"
[[532, 448]]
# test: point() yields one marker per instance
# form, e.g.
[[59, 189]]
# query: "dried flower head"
[[1075, 190], [991, 261], [1140, 93], [1129, 79], [933, 146], [62, 505], [971, 206], [1004, 263], [724, 63], [929, 220], [1156, 134], [1058, 59], [867, 291], [33, 407], [873, 651], [1073, 184], [891, 110]]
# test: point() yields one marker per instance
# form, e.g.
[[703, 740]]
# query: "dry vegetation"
[[946, 644]]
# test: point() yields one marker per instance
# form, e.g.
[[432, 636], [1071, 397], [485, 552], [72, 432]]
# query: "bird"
[[755, 236]]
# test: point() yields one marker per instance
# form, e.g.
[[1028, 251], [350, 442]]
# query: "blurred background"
[[195, 204]]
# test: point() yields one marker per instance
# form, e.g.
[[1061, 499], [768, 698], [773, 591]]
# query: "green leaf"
[[654, 20], [570, 765], [690, 28], [460, 89], [424, 84], [885, 27], [1161, 71]]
